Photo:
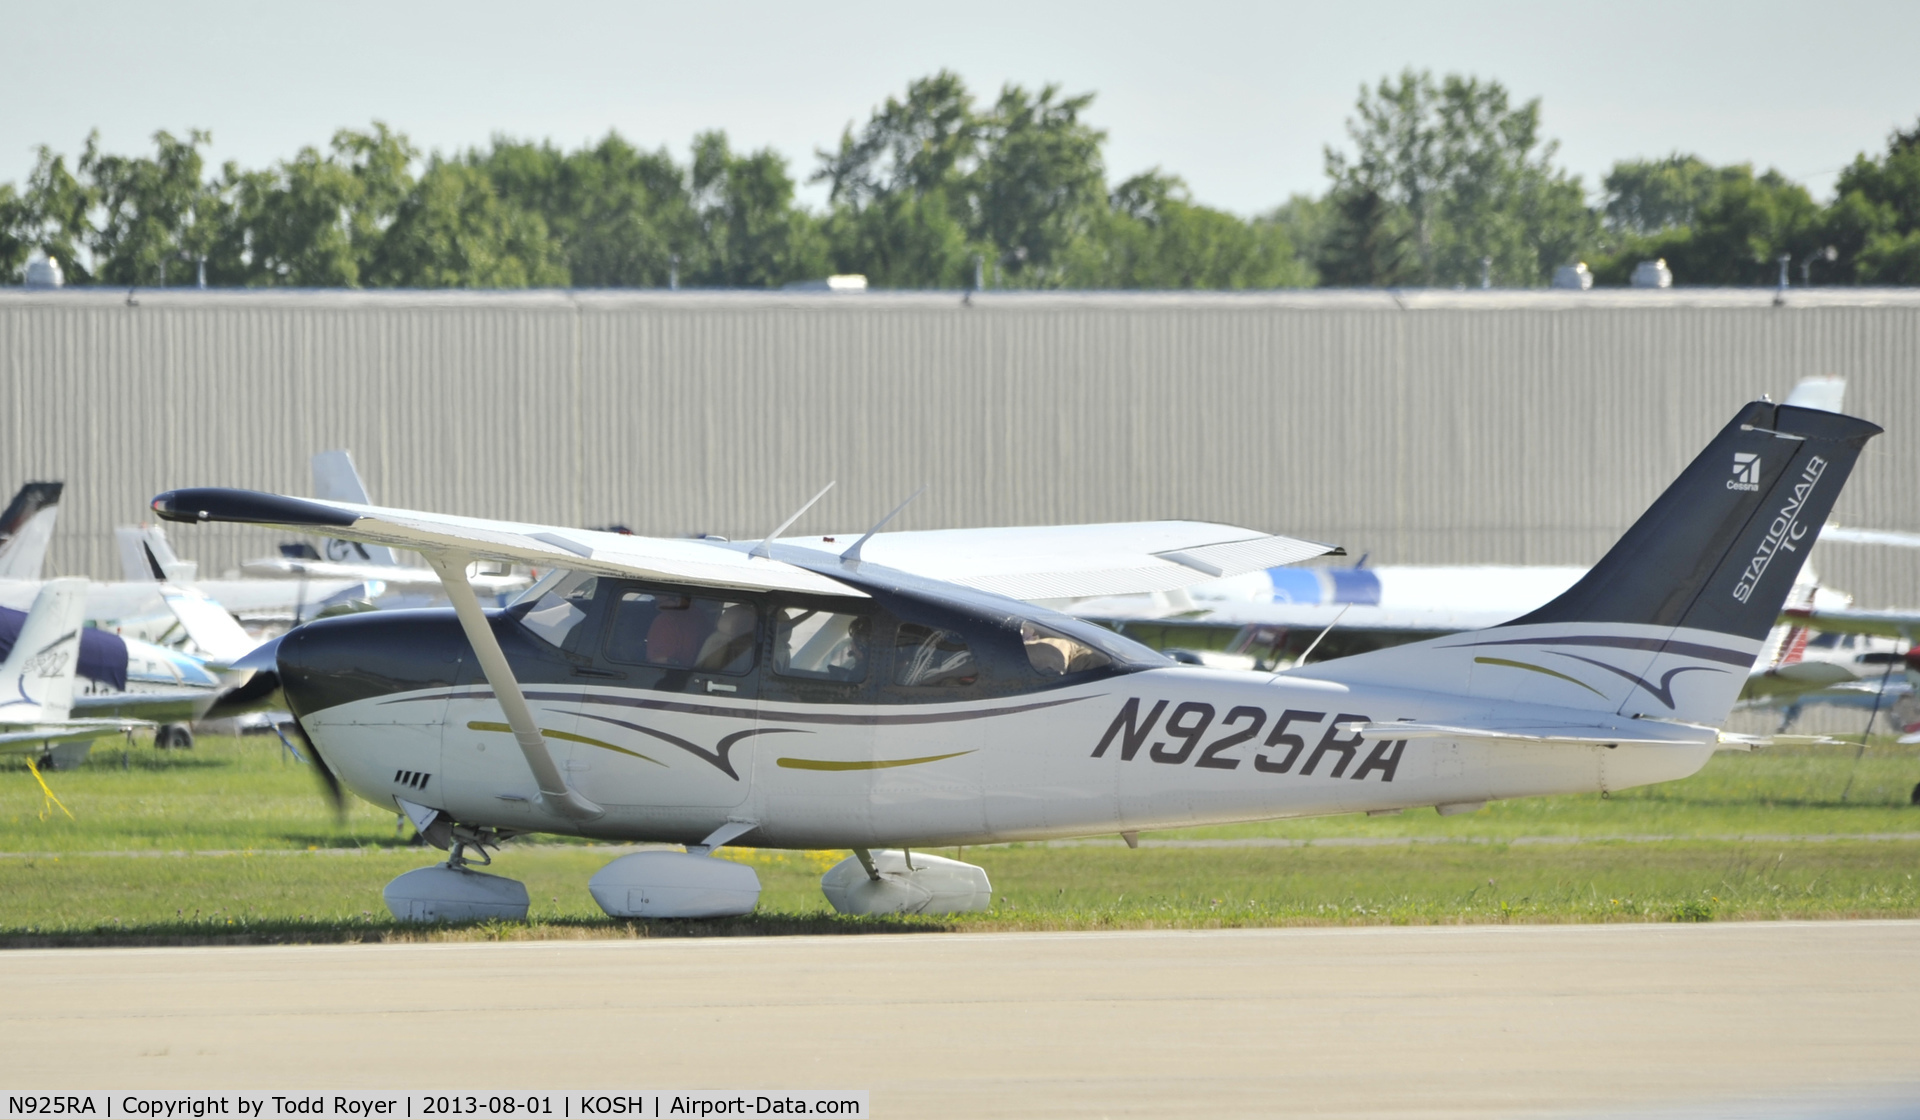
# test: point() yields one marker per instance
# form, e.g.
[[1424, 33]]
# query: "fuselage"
[[913, 717]]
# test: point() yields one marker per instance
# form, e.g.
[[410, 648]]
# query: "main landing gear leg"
[[453, 891]]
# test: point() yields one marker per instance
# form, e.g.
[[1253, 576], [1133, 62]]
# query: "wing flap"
[[1080, 561]]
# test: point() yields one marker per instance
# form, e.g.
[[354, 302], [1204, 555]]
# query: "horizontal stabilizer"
[[1550, 735], [220, 638]]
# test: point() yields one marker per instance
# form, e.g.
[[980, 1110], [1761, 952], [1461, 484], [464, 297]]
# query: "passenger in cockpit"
[[729, 649]]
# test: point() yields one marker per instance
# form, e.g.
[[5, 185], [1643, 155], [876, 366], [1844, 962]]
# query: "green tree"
[[317, 220], [620, 215], [755, 236], [900, 191], [1040, 183], [16, 233], [1468, 176], [928, 141], [1155, 236], [903, 240], [158, 217], [454, 231], [1874, 223], [1646, 196], [1737, 233], [1367, 242]]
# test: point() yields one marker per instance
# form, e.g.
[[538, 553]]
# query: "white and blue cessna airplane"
[[901, 691], [37, 680]]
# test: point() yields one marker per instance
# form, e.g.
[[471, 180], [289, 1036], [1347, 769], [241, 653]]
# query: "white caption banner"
[[631, 1104]]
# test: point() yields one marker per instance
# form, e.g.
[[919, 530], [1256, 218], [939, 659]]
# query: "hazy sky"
[[1238, 98]]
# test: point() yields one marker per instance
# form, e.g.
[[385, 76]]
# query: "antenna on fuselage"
[[761, 549], [853, 551], [1302, 659]]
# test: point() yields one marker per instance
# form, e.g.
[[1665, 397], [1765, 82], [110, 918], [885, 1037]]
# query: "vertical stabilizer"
[[146, 556], [36, 680], [1669, 623], [336, 480], [26, 529]]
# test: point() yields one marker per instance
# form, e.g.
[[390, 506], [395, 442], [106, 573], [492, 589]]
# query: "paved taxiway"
[[1426, 1021]]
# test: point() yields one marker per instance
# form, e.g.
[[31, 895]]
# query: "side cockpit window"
[[1053, 654], [677, 631], [822, 645], [928, 657]]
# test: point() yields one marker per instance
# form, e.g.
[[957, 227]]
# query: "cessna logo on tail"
[[1746, 471], [1785, 532]]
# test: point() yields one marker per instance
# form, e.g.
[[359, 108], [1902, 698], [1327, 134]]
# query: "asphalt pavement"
[[1438, 1021]]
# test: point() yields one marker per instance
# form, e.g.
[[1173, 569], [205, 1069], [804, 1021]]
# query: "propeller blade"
[[259, 692], [336, 793]]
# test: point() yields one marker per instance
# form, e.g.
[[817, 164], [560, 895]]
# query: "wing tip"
[[247, 507]]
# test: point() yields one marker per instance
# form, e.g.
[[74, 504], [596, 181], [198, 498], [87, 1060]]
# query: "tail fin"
[[36, 679], [146, 555], [1669, 622], [336, 480], [26, 529], [1719, 551]]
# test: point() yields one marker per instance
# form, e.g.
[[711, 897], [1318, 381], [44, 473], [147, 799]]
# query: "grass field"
[[231, 841]]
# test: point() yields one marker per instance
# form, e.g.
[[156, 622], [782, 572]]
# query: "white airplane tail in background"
[[1668, 624], [26, 529], [336, 480], [145, 555], [36, 680]]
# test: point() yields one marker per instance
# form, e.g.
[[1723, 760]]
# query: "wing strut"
[[452, 569]]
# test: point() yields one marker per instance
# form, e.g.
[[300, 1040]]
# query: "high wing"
[[702, 563], [1025, 563], [1074, 561]]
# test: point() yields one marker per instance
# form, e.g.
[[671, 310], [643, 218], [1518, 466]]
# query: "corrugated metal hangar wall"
[[1418, 427]]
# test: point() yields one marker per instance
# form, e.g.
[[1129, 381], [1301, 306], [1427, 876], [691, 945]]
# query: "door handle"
[[716, 686]]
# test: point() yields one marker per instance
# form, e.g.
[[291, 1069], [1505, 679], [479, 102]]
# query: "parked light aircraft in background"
[[903, 690], [390, 584], [37, 681], [148, 562]]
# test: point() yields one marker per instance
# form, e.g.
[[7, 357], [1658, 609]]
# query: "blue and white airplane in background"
[[37, 675]]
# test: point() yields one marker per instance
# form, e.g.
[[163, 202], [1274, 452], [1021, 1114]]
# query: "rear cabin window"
[[676, 631], [820, 645], [928, 657]]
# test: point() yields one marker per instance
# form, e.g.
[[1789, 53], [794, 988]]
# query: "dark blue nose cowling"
[[336, 661]]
